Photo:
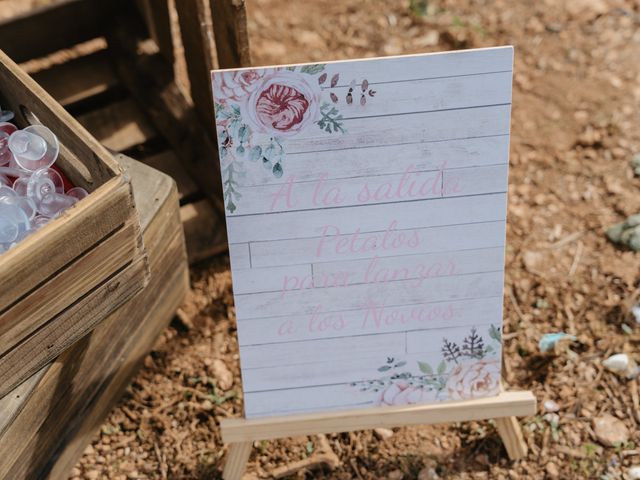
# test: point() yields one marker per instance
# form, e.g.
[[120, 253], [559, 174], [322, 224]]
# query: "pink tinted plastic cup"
[[7, 127]]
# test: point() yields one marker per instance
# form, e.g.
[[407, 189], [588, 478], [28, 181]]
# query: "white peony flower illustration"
[[474, 379]]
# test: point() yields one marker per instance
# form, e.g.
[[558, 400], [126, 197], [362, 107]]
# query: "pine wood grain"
[[55, 26], [158, 20], [119, 125], [83, 275], [197, 40], [52, 338], [79, 79], [506, 404], [231, 33]]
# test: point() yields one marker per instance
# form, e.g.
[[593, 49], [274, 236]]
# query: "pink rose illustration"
[[236, 85], [473, 380], [401, 393], [283, 104]]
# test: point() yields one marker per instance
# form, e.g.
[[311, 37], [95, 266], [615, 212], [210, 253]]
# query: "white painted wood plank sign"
[[366, 212]]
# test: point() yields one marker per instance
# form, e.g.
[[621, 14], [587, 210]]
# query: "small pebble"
[[635, 310], [552, 470], [383, 433], [610, 431], [428, 473], [551, 406], [634, 472], [395, 475], [622, 364]]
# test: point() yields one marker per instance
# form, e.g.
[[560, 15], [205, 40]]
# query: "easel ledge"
[[240, 433]]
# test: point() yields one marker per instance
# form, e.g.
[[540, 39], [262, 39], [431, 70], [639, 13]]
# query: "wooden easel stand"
[[504, 408]]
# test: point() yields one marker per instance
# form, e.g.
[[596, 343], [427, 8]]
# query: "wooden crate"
[[60, 282], [46, 423]]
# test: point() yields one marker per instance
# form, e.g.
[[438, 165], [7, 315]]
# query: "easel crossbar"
[[506, 404]]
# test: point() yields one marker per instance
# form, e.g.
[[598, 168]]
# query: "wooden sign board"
[[366, 210]]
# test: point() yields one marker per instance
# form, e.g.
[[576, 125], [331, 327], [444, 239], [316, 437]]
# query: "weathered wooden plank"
[[54, 337], [271, 279], [382, 269], [12, 403], [231, 33], [76, 391], [197, 41], [434, 126], [416, 266], [239, 255], [331, 370], [158, 20], [167, 162], [74, 282], [79, 79], [394, 98], [203, 229], [119, 126], [55, 26]]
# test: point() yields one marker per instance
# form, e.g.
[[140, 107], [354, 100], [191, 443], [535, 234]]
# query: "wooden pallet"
[[124, 91]]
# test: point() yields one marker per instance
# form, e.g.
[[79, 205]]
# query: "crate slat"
[[54, 337], [231, 33], [55, 26], [79, 79], [83, 275], [119, 125], [197, 41]]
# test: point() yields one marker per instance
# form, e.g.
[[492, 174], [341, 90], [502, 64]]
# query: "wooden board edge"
[[69, 285], [57, 335], [506, 404]]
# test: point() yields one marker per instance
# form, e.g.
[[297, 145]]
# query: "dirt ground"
[[576, 110]]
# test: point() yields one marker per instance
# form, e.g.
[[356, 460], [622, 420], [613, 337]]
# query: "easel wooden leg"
[[237, 460], [511, 435]]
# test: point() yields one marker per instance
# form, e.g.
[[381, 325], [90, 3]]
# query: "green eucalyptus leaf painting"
[[366, 215]]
